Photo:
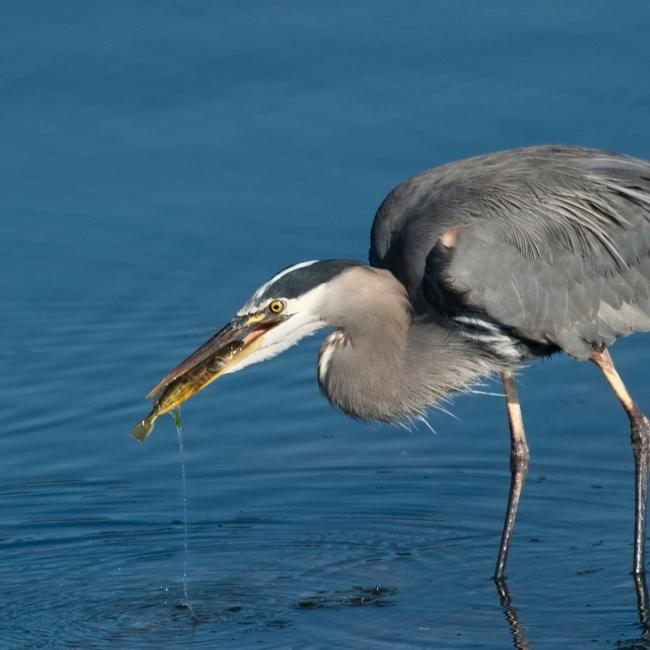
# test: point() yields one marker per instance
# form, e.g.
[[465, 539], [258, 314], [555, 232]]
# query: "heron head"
[[293, 304]]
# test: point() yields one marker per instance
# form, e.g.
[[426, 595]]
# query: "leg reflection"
[[642, 605], [516, 628], [642, 642]]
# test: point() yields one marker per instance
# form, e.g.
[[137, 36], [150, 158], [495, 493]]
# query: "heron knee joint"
[[519, 456], [640, 431]]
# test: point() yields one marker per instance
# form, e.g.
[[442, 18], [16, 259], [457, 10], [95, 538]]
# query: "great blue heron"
[[475, 267]]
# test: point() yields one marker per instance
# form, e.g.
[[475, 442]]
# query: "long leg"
[[640, 446], [519, 457]]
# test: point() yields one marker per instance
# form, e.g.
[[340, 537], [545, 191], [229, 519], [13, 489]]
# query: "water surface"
[[158, 161]]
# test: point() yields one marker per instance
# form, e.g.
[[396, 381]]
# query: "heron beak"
[[248, 330]]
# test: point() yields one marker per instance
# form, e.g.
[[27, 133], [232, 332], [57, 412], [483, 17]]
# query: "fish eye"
[[276, 306]]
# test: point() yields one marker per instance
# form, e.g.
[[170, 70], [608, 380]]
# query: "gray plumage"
[[553, 253], [386, 362], [555, 243]]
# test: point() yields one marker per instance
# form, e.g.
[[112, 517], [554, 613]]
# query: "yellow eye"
[[276, 306]]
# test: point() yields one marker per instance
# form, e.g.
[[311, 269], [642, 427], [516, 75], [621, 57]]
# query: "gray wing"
[[550, 242]]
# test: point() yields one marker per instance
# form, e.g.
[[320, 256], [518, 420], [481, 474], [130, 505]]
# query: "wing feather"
[[555, 242]]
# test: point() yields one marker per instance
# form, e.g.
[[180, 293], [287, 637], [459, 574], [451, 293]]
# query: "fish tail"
[[144, 428]]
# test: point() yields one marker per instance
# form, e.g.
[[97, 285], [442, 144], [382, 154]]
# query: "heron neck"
[[388, 374]]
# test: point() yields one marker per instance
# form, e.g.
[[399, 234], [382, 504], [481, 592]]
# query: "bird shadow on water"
[[518, 629]]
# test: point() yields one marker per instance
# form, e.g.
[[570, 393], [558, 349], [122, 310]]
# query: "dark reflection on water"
[[157, 164], [643, 641], [517, 629], [377, 596]]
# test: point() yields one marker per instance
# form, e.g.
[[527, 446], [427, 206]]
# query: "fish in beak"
[[217, 356]]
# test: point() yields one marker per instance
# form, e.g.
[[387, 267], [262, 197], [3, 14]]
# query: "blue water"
[[158, 161]]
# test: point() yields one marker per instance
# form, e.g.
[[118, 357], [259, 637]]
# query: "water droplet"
[[179, 429]]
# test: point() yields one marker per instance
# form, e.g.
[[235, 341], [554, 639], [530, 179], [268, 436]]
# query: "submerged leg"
[[519, 456], [640, 446]]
